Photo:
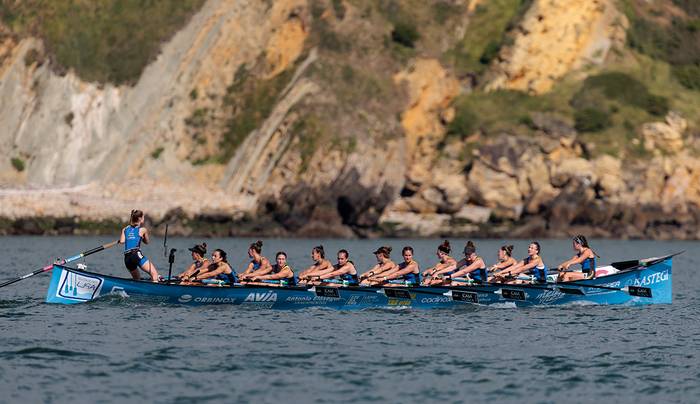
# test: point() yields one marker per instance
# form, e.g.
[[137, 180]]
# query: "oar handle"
[[61, 262]]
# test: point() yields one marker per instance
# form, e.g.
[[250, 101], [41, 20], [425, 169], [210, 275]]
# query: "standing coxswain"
[[132, 236]]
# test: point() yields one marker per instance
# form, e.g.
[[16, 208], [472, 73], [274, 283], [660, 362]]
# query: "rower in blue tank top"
[[281, 274], [132, 236], [406, 273], [219, 270], [585, 257], [532, 265], [471, 268], [258, 265], [343, 273], [440, 273]]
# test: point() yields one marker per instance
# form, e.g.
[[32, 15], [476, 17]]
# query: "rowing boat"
[[638, 282]]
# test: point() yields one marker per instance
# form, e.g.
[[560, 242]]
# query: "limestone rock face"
[[608, 170], [496, 190], [430, 90], [665, 136], [556, 37]]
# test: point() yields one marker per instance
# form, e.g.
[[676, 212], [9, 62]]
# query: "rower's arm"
[[448, 267], [525, 267], [469, 268], [122, 237], [372, 272], [401, 272], [210, 274], [188, 272], [283, 274], [145, 235], [345, 269]]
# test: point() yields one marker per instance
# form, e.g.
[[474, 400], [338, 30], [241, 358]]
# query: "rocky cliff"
[[505, 118]]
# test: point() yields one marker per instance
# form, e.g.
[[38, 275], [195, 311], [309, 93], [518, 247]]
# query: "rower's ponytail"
[[257, 246], [445, 247], [319, 250], [135, 216], [508, 249]]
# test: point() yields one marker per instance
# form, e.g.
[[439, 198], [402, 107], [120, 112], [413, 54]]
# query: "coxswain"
[[532, 265], [343, 273], [505, 261], [445, 266], [384, 266], [321, 265], [406, 273], [132, 236], [470, 269], [281, 274], [258, 265], [199, 261], [584, 257]]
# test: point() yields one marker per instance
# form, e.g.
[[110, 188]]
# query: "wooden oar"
[[61, 262]]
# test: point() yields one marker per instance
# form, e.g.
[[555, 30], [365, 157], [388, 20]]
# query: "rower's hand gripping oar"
[[61, 262]]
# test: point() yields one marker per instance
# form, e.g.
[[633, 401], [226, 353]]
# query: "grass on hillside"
[[102, 40]]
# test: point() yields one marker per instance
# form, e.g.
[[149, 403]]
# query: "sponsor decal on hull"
[[263, 297], [77, 286], [651, 279]]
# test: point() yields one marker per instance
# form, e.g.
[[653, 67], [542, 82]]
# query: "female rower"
[[281, 274], [531, 265], [321, 265], [584, 256], [445, 266], [131, 237], [219, 270], [199, 261], [343, 273], [505, 261], [406, 273], [258, 265], [384, 266], [472, 266]]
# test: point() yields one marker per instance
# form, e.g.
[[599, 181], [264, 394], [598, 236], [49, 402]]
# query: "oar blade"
[[571, 291], [639, 291], [622, 265]]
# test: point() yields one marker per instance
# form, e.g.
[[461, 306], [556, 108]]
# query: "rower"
[[258, 265], [199, 260], [532, 265], [584, 257], [343, 273], [505, 261], [383, 267], [218, 272], [281, 274], [321, 265], [406, 273], [131, 237], [470, 269], [445, 266]]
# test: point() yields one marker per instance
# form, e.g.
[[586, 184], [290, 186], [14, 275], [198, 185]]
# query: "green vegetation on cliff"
[[103, 40]]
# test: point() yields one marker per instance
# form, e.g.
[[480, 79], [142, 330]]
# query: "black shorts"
[[134, 259]]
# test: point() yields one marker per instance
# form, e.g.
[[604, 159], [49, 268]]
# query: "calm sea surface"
[[119, 351]]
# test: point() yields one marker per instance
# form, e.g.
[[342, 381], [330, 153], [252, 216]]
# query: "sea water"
[[117, 350]]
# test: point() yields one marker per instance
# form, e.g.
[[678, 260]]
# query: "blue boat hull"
[[71, 286]]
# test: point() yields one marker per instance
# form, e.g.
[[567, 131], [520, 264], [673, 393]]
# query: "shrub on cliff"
[[621, 87], [688, 76], [591, 120], [405, 33], [104, 41]]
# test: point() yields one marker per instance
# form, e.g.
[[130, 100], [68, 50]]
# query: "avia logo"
[[261, 297], [184, 298]]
